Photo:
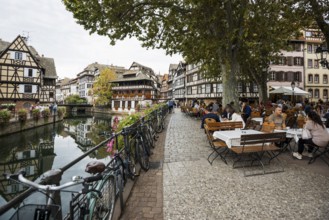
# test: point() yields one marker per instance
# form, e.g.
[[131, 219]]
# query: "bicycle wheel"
[[149, 137], [103, 207], [120, 186], [131, 161], [143, 157], [159, 127]]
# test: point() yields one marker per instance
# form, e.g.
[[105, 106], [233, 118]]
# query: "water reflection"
[[53, 146]]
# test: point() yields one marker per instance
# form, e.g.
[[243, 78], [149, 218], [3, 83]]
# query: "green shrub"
[[46, 113], [75, 99], [4, 116], [36, 114], [22, 115], [61, 111]]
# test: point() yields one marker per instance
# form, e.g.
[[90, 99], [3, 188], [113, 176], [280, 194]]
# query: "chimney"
[[42, 55]]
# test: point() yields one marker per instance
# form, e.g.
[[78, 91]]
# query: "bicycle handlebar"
[[76, 180]]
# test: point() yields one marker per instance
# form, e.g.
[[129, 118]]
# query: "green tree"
[[102, 88], [75, 99], [211, 33], [319, 11]]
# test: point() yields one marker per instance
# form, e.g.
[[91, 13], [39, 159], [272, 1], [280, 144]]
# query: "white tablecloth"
[[258, 119], [232, 138]]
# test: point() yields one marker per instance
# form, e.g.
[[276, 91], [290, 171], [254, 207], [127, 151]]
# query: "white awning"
[[287, 90]]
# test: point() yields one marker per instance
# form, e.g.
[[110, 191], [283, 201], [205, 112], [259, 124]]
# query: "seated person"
[[277, 118], [234, 116], [319, 135], [246, 110], [209, 114]]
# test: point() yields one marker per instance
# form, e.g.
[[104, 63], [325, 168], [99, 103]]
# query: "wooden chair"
[[300, 122], [219, 147], [255, 146], [255, 114], [217, 126], [268, 127]]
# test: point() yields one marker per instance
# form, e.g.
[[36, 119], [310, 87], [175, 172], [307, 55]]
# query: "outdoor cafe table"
[[258, 119], [233, 137]]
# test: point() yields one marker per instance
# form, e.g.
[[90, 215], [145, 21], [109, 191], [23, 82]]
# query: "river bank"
[[18, 126]]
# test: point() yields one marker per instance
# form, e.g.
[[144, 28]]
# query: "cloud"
[[54, 33]]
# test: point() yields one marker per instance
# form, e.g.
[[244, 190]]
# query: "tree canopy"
[[224, 36], [102, 88]]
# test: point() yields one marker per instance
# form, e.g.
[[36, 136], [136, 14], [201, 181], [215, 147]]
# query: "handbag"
[[306, 134]]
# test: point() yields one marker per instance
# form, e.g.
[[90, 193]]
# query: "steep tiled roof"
[[47, 63], [173, 66]]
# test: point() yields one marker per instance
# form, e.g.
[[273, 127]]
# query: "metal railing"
[[17, 200]]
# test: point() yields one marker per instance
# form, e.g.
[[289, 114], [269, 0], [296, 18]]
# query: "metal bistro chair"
[[320, 152], [219, 147]]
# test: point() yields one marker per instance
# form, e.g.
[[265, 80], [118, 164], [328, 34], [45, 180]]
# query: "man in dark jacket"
[[209, 114]]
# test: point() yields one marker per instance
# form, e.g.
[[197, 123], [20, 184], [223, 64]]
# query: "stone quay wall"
[[18, 126]]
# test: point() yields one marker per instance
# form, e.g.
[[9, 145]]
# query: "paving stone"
[[193, 189]]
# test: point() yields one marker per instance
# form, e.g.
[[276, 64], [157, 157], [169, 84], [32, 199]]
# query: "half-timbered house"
[[138, 85], [25, 77]]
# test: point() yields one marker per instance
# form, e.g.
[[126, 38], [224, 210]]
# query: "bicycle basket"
[[37, 212]]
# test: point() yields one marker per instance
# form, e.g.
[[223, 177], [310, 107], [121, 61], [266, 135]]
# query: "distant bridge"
[[83, 107]]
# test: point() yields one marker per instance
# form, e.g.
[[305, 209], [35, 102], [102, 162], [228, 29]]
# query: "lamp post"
[[321, 55], [293, 85]]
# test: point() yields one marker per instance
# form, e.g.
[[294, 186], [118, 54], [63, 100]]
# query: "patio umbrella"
[[288, 91], [281, 90]]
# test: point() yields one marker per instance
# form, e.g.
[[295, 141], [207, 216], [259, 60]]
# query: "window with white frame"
[[199, 89], [309, 63], [325, 93], [325, 79], [316, 93], [310, 78], [189, 90], [316, 78], [208, 88], [272, 76], [309, 48], [194, 90], [239, 87], [316, 64], [18, 55], [27, 88], [310, 91], [203, 88], [255, 88]]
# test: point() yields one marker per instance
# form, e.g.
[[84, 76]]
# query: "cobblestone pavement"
[[193, 189], [146, 198]]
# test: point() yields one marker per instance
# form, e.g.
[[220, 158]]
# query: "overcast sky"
[[53, 32]]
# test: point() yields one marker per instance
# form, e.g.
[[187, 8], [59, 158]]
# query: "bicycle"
[[142, 147], [160, 119], [51, 210]]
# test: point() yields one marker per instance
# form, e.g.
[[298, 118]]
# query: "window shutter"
[[26, 72], [35, 72], [23, 56], [21, 88], [34, 89]]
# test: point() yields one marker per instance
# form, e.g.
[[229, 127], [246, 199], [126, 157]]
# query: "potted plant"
[[4, 116], [22, 115], [36, 114]]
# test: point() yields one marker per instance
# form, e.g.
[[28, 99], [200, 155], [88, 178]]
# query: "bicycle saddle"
[[95, 167]]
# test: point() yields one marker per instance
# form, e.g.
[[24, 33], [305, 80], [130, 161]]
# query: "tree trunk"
[[262, 91], [229, 82]]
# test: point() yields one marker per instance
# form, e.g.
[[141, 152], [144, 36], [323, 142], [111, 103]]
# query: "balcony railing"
[[132, 87]]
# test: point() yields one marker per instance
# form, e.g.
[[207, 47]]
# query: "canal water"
[[49, 147]]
